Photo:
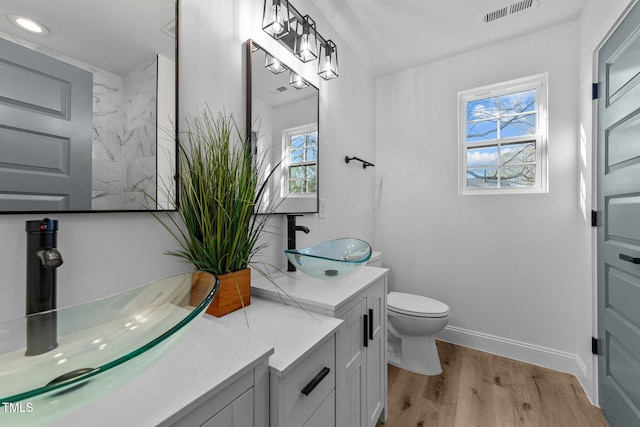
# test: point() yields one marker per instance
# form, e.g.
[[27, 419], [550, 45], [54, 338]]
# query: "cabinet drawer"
[[238, 413], [293, 407], [325, 416]]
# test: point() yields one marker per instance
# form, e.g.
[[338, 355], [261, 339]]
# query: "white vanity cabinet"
[[361, 363], [243, 403], [298, 395], [361, 356], [211, 376], [302, 369], [237, 414]]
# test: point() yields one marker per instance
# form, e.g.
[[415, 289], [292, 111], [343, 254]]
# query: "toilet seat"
[[416, 305]]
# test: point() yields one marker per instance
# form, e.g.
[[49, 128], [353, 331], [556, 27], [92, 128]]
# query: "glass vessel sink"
[[332, 259], [99, 335]]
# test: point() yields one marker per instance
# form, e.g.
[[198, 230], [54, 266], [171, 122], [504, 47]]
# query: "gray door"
[[619, 226], [45, 132]]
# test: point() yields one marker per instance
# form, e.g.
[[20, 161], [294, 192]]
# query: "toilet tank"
[[375, 260]]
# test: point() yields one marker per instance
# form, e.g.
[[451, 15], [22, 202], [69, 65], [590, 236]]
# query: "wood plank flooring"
[[484, 390]]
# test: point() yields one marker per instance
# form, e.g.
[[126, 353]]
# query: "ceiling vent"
[[492, 15], [170, 29], [277, 90]]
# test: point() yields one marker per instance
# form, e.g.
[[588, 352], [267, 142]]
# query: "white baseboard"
[[518, 350]]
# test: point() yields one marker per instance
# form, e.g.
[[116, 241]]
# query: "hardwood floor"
[[484, 390]]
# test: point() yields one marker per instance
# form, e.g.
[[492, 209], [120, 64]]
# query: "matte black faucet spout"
[[42, 260], [291, 236]]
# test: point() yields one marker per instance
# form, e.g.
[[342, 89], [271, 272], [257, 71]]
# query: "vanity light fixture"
[[273, 64], [298, 82], [29, 25], [328, 62], [299, 35], [276, 18], [306, 44]]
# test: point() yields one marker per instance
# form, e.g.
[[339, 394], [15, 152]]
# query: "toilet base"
[[417, 354]]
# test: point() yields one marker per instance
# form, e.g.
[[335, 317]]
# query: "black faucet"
[[291, 236], [42, 260]]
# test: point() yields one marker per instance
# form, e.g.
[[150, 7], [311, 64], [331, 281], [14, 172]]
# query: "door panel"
[[619, 231], [623, 68], [33, 90], [46, 127], [623, 218], [622, 150], [621, 295]]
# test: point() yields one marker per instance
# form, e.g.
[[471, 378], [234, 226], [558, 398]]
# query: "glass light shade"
[[297, 81], [328, 62], [273, 64], [275, 18], [306, 42]]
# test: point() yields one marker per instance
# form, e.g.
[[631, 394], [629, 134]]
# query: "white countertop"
[[213, 353], [292, 331], [325, 296], [201, 363]]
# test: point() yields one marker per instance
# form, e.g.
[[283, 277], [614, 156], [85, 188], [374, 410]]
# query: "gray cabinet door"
[[619, 226], [351, 375], [376, 353], [45, 132]]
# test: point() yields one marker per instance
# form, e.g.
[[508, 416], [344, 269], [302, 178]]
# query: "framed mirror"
[[87, 105], [282, 113]]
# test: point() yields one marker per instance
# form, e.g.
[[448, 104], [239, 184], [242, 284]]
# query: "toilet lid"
[[416, 305]]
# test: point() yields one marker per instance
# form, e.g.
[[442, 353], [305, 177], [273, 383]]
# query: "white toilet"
[[411, 322]]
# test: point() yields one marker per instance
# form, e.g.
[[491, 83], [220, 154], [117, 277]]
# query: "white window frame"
[[538, 82], [286, 138]]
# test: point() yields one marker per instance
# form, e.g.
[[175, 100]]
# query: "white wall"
[[105, 253], [512, 268]]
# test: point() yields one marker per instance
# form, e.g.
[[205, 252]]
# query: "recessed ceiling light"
[[28, 24]]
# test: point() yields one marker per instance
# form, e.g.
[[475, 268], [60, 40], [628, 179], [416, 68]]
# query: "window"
[[301, 148], [502, 138]]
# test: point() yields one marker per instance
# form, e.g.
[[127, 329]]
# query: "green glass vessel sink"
[[99, 335], [333, 259]]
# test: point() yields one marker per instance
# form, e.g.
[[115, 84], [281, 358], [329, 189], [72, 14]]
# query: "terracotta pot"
[[234, 293]]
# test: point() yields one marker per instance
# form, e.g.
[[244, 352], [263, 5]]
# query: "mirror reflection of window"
[[301, 146], [284, 122]]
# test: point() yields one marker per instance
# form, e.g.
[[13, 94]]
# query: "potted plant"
[[220, 187]]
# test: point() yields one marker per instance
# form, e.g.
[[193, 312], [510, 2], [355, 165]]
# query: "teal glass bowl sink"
[[100, 335], [333, 259]]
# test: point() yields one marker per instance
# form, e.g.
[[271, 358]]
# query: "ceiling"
[[393, 35], [114, 35]]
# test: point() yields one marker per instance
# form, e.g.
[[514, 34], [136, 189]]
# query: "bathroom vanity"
[[316, 360], [361, 365], [212, 376], [302, 370]]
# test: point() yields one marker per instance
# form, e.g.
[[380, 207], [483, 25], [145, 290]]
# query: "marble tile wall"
[[139, 137], [108, 168], [125, 139]]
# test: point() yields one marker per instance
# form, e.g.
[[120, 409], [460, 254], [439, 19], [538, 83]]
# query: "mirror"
[[88, 105], [284, 125]]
